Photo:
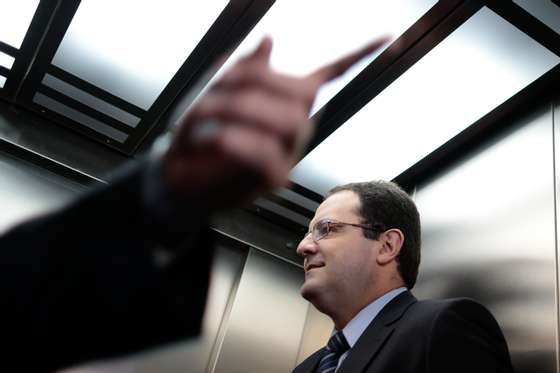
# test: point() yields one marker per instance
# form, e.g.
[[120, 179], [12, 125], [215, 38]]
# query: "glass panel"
[[6, 61], [140, 47], [90, 100], [544, 10], [478, 67], [321, 30], [79, 117], [16, 17], [2, 81]]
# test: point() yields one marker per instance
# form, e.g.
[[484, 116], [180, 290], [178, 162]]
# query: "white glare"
[[307, 34], [478, 67], [16, 17], [6, 61], [133, 48]]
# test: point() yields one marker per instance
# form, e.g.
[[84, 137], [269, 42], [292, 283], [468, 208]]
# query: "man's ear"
[[392, 241]]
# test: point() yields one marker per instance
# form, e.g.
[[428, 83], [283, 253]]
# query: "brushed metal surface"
[[316, 333], [266, 321], [27, 191], [489, 234]]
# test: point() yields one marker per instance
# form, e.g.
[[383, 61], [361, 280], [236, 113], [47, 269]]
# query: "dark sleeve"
[[466, 338], [82, 283]]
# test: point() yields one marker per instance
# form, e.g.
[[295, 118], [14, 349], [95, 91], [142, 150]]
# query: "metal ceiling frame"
[[234, 22], [51, 22], [444, 18], [502, 117], [26, 53], [440, 21]]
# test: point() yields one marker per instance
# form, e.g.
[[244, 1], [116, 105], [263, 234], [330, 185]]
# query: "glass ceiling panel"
[[6, 61], [545, 10], [474, 70], [310, 33], [139, 47], [16, 18], [2, 81]]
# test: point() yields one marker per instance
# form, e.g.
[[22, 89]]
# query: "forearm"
[[82, 283]]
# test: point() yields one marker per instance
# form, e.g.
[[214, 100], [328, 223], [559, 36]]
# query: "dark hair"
[[386, 205]]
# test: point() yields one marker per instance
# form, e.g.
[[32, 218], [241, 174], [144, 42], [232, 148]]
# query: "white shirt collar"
[[354, 329]]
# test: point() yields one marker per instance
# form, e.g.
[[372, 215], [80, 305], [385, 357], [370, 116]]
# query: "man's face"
[[342, 264]]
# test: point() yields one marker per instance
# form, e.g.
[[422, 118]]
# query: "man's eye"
[[322, 229]]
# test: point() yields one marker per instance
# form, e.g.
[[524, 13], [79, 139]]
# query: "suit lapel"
[[376, 334], [310, 364]]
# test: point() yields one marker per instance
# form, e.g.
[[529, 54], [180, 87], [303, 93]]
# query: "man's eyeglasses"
[[324, 227]]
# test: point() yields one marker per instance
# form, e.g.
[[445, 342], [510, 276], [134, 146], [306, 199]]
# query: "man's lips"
[[309, 267]]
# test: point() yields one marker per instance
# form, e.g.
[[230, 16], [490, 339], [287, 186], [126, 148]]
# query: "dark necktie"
[[331, 353]]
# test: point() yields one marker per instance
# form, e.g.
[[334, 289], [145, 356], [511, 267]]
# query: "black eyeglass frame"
[[378, 228]]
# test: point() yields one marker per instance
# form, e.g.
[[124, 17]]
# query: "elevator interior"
[[470, 90]]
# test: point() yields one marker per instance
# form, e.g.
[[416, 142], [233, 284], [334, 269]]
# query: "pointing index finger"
[[340, 66]]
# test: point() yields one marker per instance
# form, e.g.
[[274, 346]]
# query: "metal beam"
[[486, 128], [527, 23], [440, 21], [229, 29], [26, 54]]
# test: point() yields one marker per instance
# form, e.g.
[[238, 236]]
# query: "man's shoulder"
[[408, 309], [457, 305], [441, 312], [448, 304]]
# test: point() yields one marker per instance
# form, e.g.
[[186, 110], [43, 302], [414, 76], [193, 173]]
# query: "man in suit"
[[361, 258], [126, 267]]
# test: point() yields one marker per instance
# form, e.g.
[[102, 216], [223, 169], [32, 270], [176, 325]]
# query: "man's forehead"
[[341, 205]]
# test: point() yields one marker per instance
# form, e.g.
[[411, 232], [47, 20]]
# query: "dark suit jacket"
[[82, 283], [411, 336]]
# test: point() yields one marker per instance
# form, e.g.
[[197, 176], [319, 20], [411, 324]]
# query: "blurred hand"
[[244, 136]]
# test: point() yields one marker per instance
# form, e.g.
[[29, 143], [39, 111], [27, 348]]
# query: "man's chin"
[[309, 290]]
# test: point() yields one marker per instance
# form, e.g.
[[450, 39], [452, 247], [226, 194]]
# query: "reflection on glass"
[[307, 34], [6, 61], [2, 81], [478, 67], [133, 48], [16, 17], [545, 11]]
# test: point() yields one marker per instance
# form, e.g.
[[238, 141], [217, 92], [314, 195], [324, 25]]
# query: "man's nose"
[[306, 246]]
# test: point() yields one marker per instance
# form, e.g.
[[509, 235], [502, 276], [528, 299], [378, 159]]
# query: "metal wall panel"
[[556, 125], [489, 234], [316, 333], [26, 191], [267, 319]]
